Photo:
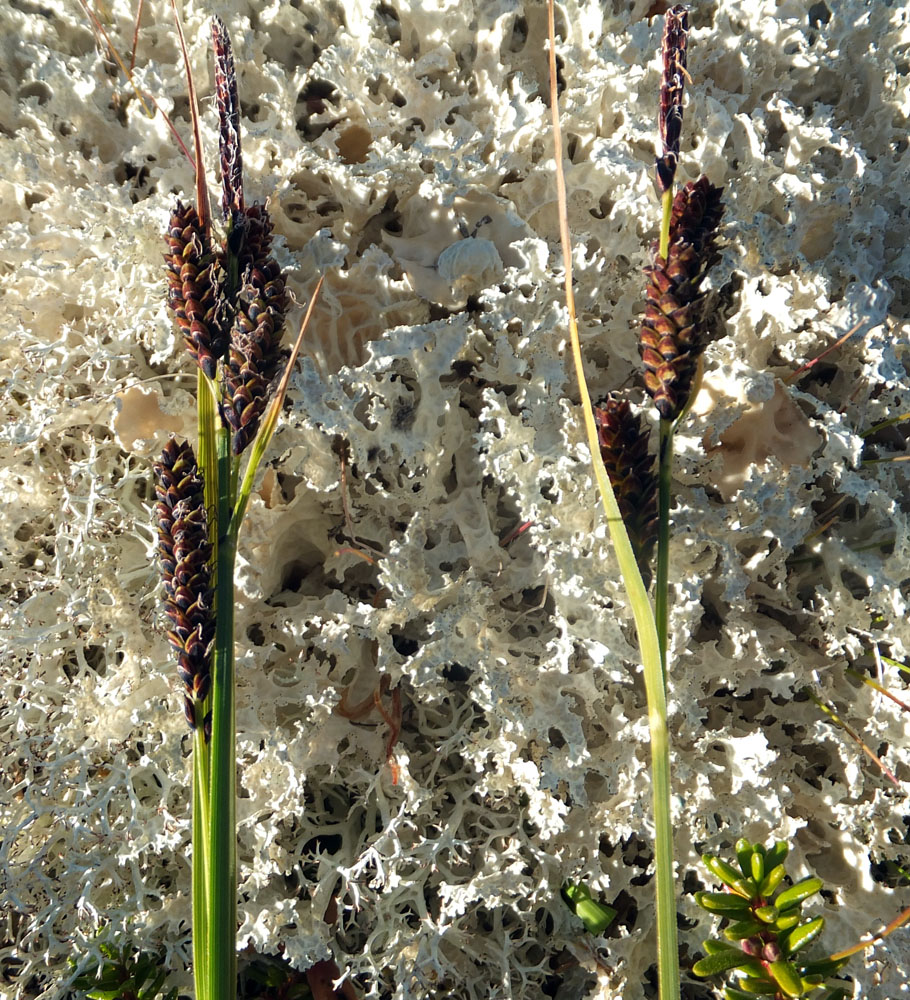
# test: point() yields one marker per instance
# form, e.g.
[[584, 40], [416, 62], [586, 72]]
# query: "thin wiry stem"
[[202, 191]]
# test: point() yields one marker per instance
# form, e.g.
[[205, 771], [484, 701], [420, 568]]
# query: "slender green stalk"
[[201, 866], [667, 945], [202, 947], [208, 462], [222, 895], [662, 584]]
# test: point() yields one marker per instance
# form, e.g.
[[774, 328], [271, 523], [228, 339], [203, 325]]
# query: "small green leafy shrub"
[[766, 931], [124, 975], [267, 977]]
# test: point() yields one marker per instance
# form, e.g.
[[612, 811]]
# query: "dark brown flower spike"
[[254, 357], [670, 117], [229, 122], [184, 553], [257, 236], [193, 287], [673, 329], [630, 466]]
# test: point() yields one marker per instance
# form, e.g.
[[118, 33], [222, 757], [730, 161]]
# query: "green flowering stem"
[[201, 815], [206, 412], [201, 862], [221, 951], [664, 496]]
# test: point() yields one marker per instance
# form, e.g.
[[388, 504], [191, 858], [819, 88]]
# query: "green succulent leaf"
[[596, 916], [767, 914], [713, 946], [755, 987], [772, 880], [733, 994], [728, 875], [743, 929], [722, 902], [787, 920], [802, 935], [757, 865], [744, 856], [787, 978], [797, 893], [812, 981], [824, 967], [574, 892], [712, 965], [777, 855]]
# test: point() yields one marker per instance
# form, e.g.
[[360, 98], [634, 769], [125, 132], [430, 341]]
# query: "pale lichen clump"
[[404, 151]]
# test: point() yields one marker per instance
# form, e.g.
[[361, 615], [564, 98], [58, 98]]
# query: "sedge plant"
[[637, 500], [765, 937], [673, 328], [229, 300], [643, 614]]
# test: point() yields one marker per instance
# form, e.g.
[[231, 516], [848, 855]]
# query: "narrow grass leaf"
[[270, 420], [649, 646]]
